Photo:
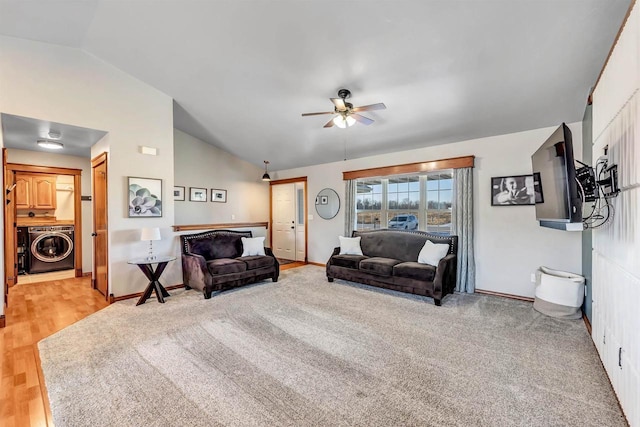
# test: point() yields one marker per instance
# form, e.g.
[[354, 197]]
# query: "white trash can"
[[559, 293]]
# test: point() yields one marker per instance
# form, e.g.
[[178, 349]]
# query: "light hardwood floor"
[[35, 311]]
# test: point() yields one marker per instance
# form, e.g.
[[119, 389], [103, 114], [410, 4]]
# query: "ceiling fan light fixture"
[[266, 176], [343, 121], [51, 145]]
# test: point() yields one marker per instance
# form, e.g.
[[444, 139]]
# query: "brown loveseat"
[[213, 261], [389, 260]]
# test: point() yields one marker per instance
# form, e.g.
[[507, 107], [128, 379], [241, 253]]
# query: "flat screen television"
[[554, 167]]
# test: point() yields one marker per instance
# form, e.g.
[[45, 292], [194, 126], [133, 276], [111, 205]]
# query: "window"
[[439, 196], [368, 203], [406, 202]]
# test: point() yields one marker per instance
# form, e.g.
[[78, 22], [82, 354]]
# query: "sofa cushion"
[[414, 270], [350, 245], [378, 265], [432, 253], [257, 261], [348, 261], [216, 246], [252, 246], [226, 266]]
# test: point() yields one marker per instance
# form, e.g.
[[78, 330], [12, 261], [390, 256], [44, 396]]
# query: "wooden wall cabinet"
[[35, 191]]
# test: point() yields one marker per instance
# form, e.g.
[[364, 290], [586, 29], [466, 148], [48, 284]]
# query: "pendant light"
[[266, 176]]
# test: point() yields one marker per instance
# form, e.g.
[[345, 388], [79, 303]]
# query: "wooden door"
[[284, 221], [43, 191], [100, 223], [23, 191]]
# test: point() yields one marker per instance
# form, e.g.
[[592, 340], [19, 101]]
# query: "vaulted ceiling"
[[242, 72]]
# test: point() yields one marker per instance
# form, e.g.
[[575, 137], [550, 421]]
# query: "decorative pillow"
[[350, 245], [432, 253], [252, 246]]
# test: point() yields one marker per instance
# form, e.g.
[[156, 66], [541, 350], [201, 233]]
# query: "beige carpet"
[[305, 352]]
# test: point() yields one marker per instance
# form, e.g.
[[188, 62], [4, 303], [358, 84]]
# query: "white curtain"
[[462, 226], [349, 206]]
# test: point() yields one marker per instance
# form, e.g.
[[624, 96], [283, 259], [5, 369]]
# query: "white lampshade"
[[344, 121], [150, 233]]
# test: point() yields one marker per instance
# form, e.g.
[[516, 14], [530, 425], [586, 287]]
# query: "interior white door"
[[284, 220]]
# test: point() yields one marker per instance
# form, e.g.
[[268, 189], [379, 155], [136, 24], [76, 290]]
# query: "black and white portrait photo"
[[515, 190]]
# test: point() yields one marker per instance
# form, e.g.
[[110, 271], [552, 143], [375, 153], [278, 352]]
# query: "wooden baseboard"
[[2, 321], [586, 322], [500, 294], [113, 299], [318, 264]]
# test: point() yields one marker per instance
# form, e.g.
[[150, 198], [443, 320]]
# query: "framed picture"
[[324, 200], [218, 195], [515, 190], [537, 188], [178, 193], [145, 197], [197, 194]]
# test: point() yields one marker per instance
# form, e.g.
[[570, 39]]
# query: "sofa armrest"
[[445, 275], [268, 251], [194, 271], [336, 251]]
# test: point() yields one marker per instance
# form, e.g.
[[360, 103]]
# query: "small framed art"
[[219, 196], [178, 193], [197, 194]]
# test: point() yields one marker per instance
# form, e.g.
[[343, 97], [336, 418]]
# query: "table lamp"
[[150, 234]]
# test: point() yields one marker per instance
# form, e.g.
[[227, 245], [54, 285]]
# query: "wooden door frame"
[[8, 220], [100, 158], [302, 179], [77, 204]]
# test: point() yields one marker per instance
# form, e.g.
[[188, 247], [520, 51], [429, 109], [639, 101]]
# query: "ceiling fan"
[[346, 113]]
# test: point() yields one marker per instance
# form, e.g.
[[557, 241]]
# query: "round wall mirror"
[[327, 203]]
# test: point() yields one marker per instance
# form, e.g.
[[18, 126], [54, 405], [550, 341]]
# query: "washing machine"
[[51, 248]]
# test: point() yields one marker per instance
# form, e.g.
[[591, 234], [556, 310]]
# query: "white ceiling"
[[23, 133], [242, 72]]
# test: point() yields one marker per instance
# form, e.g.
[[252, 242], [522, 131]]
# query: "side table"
[[146, 265]]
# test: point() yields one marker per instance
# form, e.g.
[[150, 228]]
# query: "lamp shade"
[[150, 233]]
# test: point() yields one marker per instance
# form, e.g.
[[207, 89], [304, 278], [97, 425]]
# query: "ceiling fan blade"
[[372, 107], [329, 124], [362, 119], [339, 103], [318, 114]]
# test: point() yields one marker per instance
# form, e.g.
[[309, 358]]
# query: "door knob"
[[94, 234], [292, 227]]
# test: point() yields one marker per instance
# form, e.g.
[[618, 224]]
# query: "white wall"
[[57, 160], [66, 85], [65, 202], [198, 164], [509, 243], [616, 247]]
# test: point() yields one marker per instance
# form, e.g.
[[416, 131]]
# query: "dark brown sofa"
[[212, 261], [389, 261]]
